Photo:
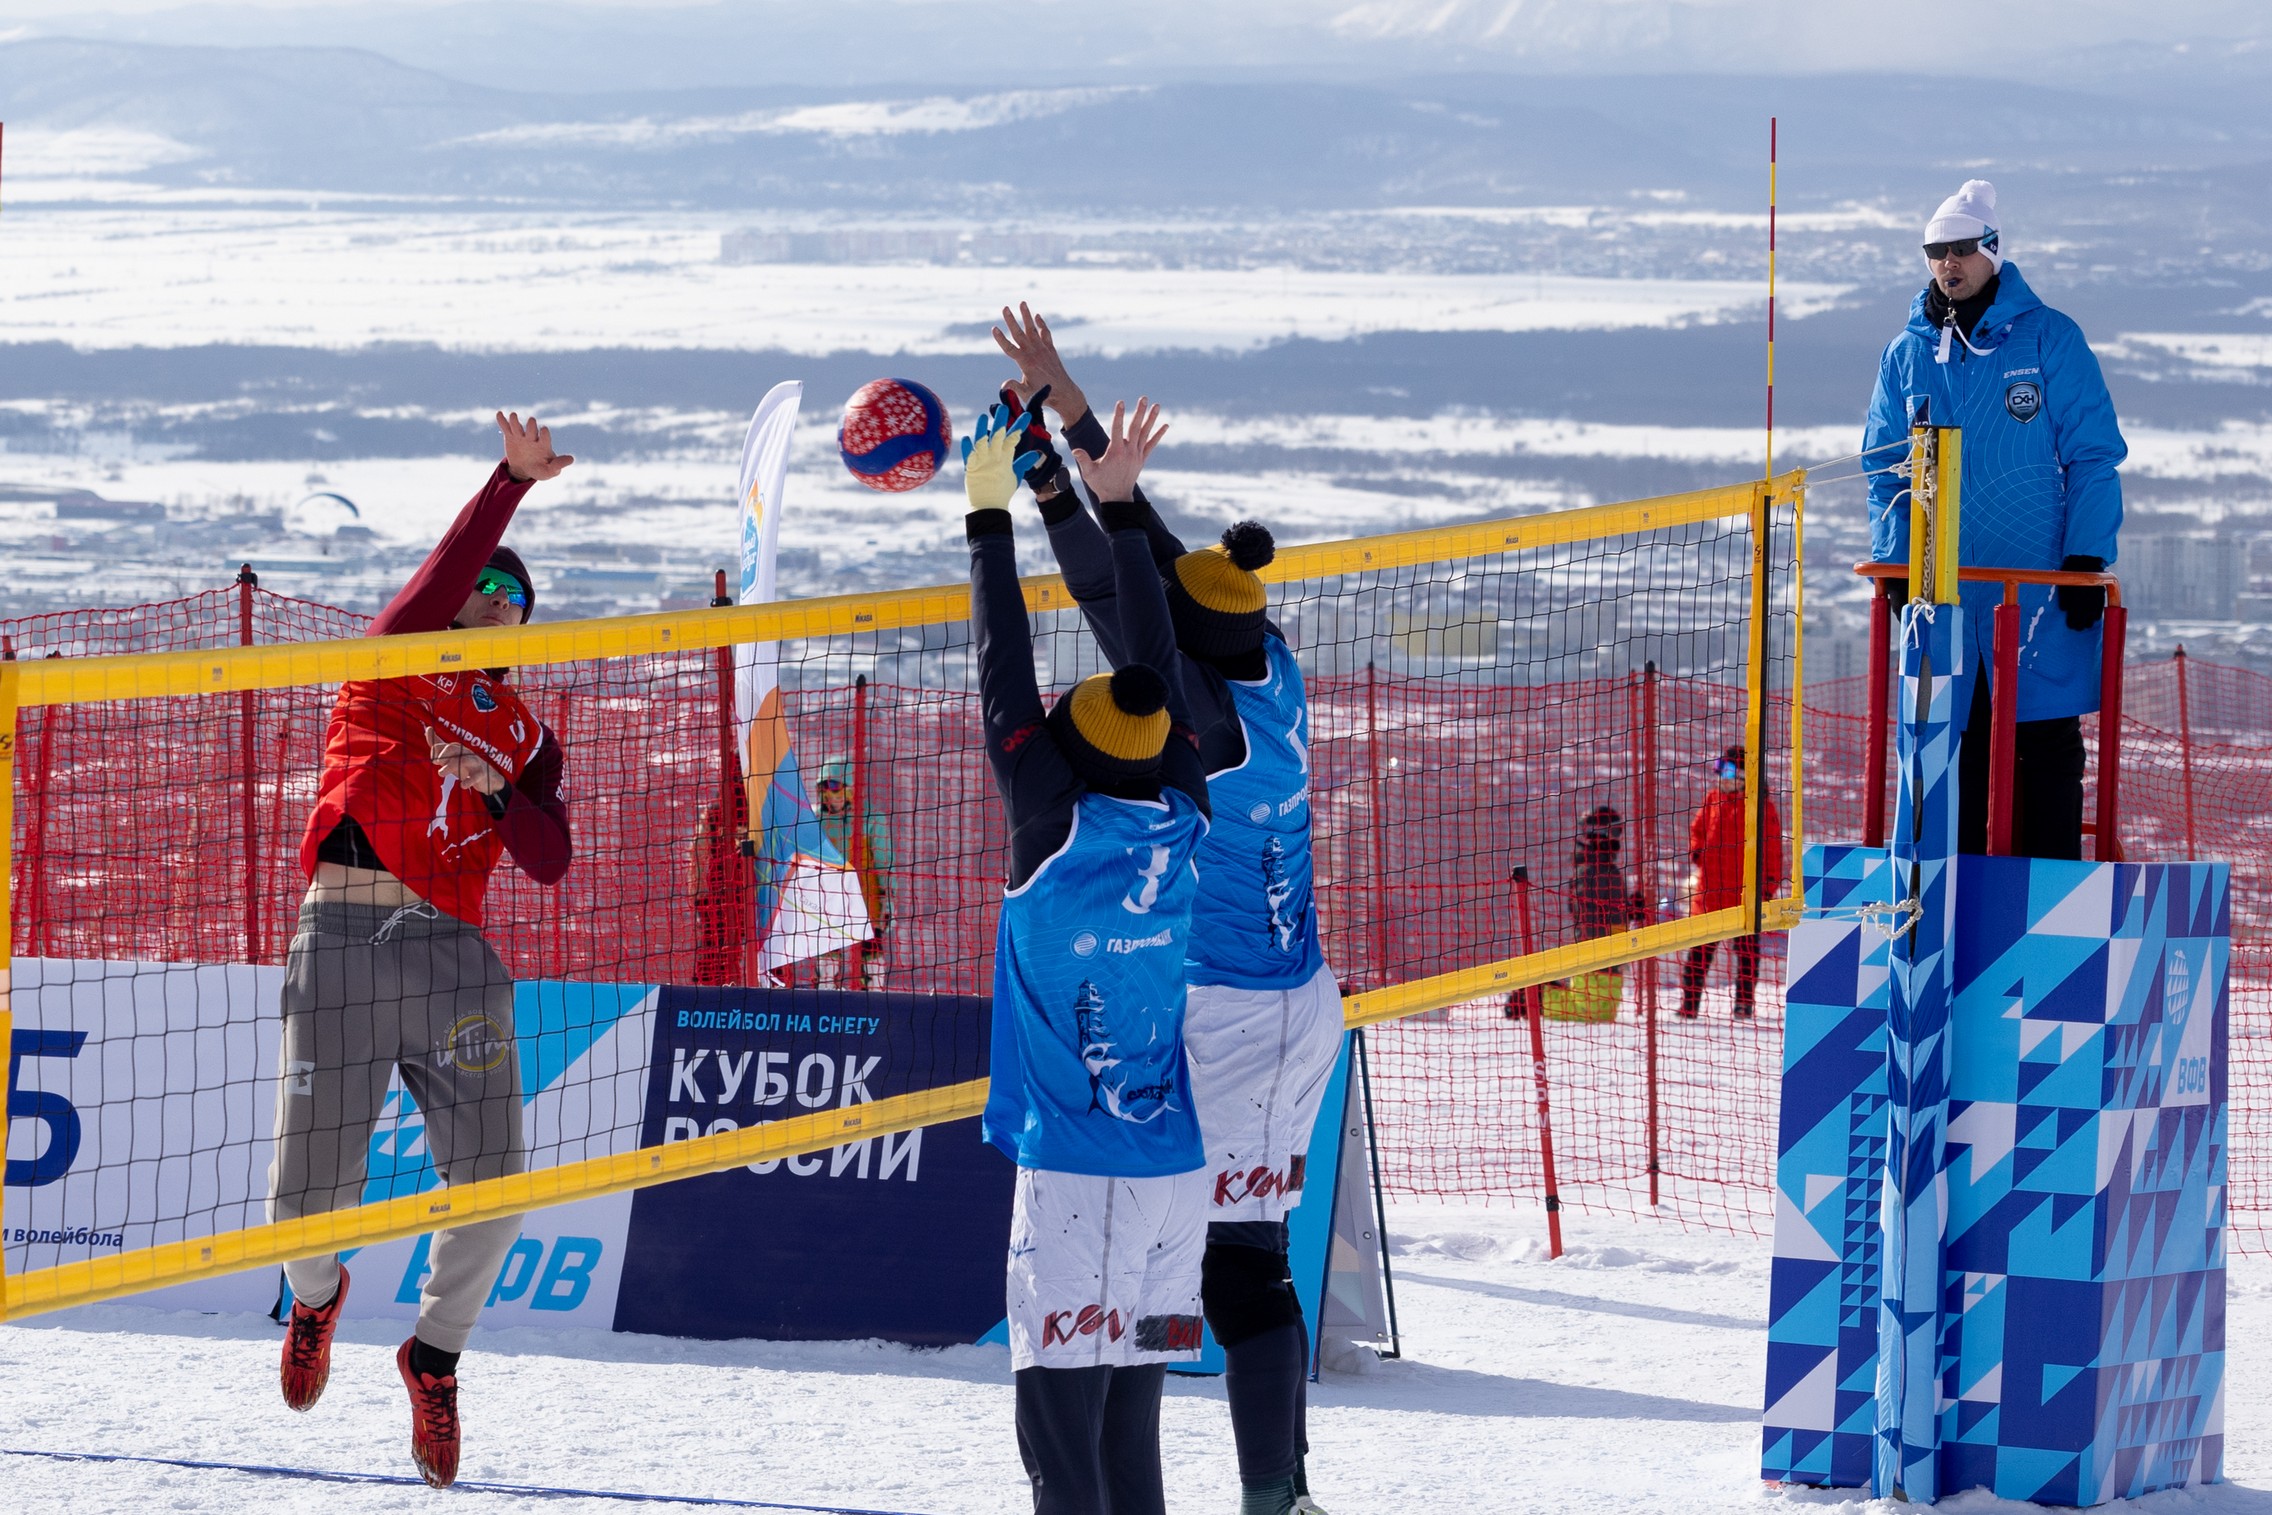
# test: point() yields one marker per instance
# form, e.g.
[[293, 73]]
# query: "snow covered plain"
[[1624, 1377], [331, 277]]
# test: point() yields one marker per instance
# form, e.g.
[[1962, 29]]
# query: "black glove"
[[2083, 603], [1897, 590], [1047, 473]]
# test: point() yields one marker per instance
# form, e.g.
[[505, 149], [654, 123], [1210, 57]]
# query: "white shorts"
[[1260, 1060], [1104, 1272]]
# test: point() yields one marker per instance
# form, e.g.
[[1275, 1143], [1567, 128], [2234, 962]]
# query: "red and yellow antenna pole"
[[1770, 297]]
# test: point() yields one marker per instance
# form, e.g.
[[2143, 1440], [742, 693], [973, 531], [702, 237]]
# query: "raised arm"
[[1037, 784], [438, 590], [1147, 631]]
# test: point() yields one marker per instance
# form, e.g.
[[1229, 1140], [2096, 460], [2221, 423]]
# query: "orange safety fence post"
[[1379, 834], [2110, 730], [1535, 1007], [2003, 729], [1648, 870], [856, 955], [2185, 750], [8, 675], [248, 806], [727, 847]]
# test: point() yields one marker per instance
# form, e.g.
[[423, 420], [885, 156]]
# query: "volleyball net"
[[1490, 704]]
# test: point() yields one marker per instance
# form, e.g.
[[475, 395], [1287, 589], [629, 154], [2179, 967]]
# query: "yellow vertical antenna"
[[1771, 195]]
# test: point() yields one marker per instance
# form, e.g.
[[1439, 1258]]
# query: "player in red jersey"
[[427, 782]]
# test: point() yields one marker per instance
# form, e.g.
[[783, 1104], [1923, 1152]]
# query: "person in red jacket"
[[1715, 856], [427, 783]]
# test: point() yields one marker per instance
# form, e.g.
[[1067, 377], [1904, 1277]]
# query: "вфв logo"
[[2023, 400]]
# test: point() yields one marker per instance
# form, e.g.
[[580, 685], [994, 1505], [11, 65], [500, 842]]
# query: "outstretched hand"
[[1025, 340], [1113, 476], [991, 463], [528, 449]]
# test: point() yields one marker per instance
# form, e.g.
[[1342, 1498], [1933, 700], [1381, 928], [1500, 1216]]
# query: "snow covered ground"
[[1624, 1377]]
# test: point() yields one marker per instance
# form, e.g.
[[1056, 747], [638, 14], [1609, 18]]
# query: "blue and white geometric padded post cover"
[[1917, 1056], [2082, 1346]]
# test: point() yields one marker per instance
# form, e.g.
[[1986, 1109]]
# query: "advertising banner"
[[142, 1098]]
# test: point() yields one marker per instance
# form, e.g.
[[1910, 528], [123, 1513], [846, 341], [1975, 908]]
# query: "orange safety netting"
[[133, 820]]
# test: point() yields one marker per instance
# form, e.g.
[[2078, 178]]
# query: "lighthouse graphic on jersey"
[[1110, 1086], [1095, 1038], [1278, 891]]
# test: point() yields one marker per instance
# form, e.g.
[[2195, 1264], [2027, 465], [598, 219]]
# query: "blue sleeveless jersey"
[[1256, 924], [1087, 1064]]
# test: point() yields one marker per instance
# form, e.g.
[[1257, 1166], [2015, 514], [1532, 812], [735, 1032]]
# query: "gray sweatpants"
[[367, 990]]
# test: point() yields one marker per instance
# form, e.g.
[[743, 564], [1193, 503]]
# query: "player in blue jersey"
[[1091, 1096], [1264, 1025]]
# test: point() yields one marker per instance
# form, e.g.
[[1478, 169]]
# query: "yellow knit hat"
[[1118, 721], [1218, 604]]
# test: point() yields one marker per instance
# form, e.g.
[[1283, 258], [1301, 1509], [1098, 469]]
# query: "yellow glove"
[[991, 467]]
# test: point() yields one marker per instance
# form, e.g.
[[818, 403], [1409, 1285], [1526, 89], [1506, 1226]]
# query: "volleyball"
[[895, 434]]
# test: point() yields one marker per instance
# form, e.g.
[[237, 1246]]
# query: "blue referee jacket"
[[2040, 452]]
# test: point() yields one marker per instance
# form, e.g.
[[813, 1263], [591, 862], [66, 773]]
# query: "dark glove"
[[1897, 590], [1046, 473], [2083, 603]]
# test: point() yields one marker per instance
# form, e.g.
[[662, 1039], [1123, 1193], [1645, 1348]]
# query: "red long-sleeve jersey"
[[431, 832]]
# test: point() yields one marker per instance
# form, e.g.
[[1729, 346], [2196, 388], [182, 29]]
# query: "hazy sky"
[[658, 42]]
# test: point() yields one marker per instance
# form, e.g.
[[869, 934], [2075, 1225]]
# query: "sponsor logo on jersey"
[[1167, 1333], [2023, 400], [1084, 944], [299, 1077], [1236, 1185], [475, 1044], [1164, 937], [1260, 812], [1063, 1327], [483, 700]]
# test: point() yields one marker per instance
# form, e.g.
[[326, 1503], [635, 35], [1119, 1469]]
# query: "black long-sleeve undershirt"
[[1084, 557], [1037, 779]]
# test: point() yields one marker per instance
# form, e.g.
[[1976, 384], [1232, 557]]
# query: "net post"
[[1648, 836], [1755, 711], [1877, 732], [856, 955], [1794, 840], [8, 675], [1379, 831], [248, 771], [1537, 1017], [2185, 749]]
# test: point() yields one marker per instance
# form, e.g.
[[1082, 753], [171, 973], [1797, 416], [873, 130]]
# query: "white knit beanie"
[[1970, 212]]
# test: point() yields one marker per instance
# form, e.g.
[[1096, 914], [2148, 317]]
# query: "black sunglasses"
[[1939, 250]]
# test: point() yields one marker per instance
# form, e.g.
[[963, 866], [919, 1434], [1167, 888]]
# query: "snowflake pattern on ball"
[[895, 435]]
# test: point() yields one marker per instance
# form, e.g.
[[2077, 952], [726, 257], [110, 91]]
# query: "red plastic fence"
[[132, 821]]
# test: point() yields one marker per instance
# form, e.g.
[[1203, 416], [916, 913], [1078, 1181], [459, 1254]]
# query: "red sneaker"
[[306, 1367], [433, 1421]]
